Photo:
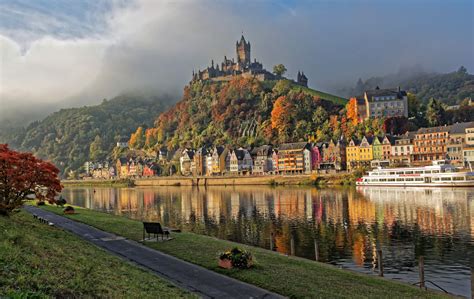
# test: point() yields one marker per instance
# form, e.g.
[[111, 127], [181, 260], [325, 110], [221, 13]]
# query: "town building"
[[219, 155], [294, 158], [240, 161], [457, 141], [430, 145], [122, 167], [263, 161], [333, 155], [185, 162], [151, 169], [359, 153], [352, 153], [381, 103], [200, 161], [381, 148], [468, 149], [122, 142], [402, 150], [316, 154]]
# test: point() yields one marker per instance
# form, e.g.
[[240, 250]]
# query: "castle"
[[243, 66]]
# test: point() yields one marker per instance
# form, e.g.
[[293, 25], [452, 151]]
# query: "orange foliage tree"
[[351, 111]]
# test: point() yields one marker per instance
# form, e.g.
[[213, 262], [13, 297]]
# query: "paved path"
[[203, 282]]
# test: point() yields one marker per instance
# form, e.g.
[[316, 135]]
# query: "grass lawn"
[[290, 276], [41, 261]]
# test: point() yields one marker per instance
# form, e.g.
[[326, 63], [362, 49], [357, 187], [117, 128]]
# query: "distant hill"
[[241, 112], [450, 88], [72, 136]]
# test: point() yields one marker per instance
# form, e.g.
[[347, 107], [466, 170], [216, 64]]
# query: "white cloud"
[[151, 44], [50, 70]]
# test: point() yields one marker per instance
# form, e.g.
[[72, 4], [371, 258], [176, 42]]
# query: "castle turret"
[[301, 79], [243, 51]]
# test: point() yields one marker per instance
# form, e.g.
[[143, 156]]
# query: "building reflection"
[[348, 223]]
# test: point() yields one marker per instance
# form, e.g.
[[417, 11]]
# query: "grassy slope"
[[290, 276], [41, 261], [322, 95]]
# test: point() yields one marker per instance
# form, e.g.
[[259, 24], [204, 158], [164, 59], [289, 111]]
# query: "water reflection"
[[348, 224]]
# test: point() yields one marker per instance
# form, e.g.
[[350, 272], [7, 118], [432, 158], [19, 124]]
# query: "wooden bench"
[[156, 229]]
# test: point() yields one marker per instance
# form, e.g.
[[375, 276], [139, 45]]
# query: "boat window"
[[419, 171], [470, 178], [446, 179], [458, 178], [435, 171], [409, 172], [391, 180], [383, 180], [392, 173], [400, 180], [435, 179], [419, 179], [409, 179], [399, 172]]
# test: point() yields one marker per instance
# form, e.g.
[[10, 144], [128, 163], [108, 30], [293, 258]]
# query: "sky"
[[60, 53]]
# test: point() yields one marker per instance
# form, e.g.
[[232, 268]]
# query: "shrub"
[[239, 258]]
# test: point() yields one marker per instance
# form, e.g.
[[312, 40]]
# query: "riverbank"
[[289, 276], [322, 179], [37, 260], [98, 183]]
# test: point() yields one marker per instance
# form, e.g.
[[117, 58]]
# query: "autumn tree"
[[351, 111], [281, 116], [279, 70], [137, 139], [23, 175]]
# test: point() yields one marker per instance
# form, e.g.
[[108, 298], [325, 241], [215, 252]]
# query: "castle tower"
[[243, 51], [301, 79]]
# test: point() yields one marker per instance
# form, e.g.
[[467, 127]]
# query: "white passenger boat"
[[440, 174]]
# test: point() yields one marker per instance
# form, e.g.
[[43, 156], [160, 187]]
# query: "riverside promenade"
[[198, 280]]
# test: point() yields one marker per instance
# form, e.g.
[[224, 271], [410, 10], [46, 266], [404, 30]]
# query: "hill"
[[72, 136], [241, 112], [450, 88]]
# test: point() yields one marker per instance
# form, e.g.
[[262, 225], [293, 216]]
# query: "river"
[[349, 224]]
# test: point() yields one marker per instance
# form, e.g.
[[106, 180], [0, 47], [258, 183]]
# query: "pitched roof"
[[293, 146], [460, 128], [264, 150], [438, 129], [385, 92]]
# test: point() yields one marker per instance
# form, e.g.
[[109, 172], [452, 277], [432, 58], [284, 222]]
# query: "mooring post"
[[292, 244], [316, 249], [271, 241], [380, 262], [421, 268]]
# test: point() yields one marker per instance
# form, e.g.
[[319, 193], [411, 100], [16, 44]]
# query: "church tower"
[[243, 52]]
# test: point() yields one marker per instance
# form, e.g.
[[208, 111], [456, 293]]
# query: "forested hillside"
[[451, 88], [72, 136], [242, 112]]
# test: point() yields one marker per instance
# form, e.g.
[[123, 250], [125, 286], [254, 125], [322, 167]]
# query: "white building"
[[386, 102]]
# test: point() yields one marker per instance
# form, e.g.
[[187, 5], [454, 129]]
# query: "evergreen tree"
[[435, 113]]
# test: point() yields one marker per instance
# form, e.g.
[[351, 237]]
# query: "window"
[[458, 178], [446, 179]]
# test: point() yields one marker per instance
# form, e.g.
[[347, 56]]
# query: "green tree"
[[96, 151], [435, 113], [279, 70], [413, 105], [320, 115]]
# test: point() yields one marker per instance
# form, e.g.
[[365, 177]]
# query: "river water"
[[350, 225]]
